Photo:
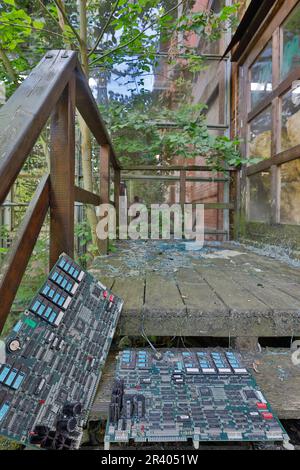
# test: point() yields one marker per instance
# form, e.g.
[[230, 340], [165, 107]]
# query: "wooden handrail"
[[86, 197], [172, 168], [22, 247], [25, 114], [53, 88]]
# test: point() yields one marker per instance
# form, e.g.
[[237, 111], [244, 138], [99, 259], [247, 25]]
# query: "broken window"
[[290, 56], [260, 197], [261, 76], [290, 193], [260, 135], [290, 118]]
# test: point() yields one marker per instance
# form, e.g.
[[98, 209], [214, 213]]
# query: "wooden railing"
[[55, 87]]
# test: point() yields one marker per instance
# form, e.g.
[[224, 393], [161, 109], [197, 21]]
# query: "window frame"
[[273, 32]]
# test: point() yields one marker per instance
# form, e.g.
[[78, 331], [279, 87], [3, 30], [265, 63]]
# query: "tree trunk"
[[8, 67], [86, 144]]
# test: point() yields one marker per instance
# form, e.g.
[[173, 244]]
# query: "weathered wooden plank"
[[164, 312], [88, 109], [62, 174], [21, 249], [285, 315], [131, 290], [232, 294], [202, 311], [265, 267], [24, 115], [102, 399], [247, 316], [207, 315], [86, 197]]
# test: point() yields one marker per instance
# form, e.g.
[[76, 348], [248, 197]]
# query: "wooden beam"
[[282, 157], [174, 178], [207, 96], [171, 168], [24, 115], [62, 175], [261, 29], [117, 190], [22, 247], [86, 197], [88, 109], [104, 186], [219, 205]]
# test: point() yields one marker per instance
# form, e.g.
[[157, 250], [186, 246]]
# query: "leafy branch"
[[131, 40], [102, 32], [68, 22]]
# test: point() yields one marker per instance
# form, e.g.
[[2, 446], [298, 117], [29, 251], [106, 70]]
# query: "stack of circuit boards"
[[176, 395], [54, 358]]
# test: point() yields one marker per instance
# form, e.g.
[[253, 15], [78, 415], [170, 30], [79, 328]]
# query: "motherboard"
[[177, 395], [54, 358]]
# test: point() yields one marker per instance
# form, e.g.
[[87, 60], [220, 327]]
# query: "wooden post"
[[275, 170], [117, 196], [15, 264], [276, 130], [62, 175], [182, 188], [182, 194], [104, 186]]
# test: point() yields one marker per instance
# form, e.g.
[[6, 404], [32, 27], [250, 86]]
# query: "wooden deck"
[[221, 292]]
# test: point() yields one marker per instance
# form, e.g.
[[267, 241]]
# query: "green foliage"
[[138, 133], [207, 24], [7, 444], [84, 235], [15, 27], [122, 37]]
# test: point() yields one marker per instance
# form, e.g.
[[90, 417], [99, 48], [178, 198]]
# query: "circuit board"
[[54, 358], [176, 395]]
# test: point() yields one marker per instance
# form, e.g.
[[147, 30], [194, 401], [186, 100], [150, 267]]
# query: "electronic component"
[[205, 395], [54, 358]]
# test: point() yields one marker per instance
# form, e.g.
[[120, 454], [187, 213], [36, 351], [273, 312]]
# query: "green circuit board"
[[54, 358], [203, 395]]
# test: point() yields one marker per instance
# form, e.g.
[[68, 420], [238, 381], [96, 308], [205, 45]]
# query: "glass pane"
[[260, 197], [205, 89], [290, 193], [290, 118], [260, 135], [208, 46], [261, 76], [291, 43]]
